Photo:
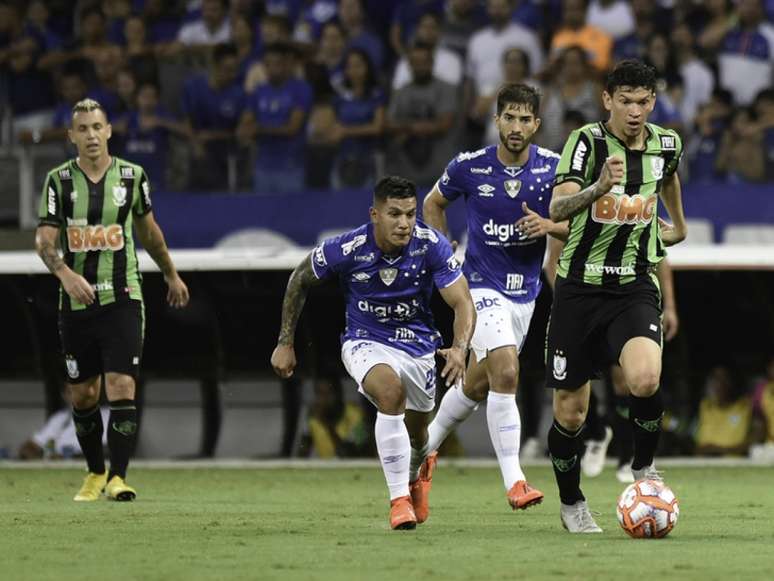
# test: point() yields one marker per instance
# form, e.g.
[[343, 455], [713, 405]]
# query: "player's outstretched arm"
[[434, 210], [671, 193], [569, 199], [73, 283], [152, 240], [283, 359], [457, 296]]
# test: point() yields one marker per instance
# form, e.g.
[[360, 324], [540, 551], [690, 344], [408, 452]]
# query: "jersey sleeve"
[[445, 267], [142, 202], [577, 161], [334, 254], [673, 161], [451, 185], [50, 210]]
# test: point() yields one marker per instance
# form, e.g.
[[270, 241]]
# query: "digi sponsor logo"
[[398, 311], [623, 209], [503, 232], [579, 156], [99, 237], [487, 303]]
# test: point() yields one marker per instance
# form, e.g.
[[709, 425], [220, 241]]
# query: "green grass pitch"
[[331, 524]]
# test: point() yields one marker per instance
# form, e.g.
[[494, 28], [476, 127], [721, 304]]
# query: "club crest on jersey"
[[512, 187], [657, 167], [72, 367], [119, 194], [388, 275], [560, 366]]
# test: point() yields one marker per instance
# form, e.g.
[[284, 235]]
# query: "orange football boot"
[[420, 488], [522, 495], [402, 515]]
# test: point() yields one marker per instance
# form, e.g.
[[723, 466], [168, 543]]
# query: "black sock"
[[122, 435], [564, 446], [595, 426], [645, 414], [622, 429], [88, 429]]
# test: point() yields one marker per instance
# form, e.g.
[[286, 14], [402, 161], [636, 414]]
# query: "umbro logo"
[[485, 190]]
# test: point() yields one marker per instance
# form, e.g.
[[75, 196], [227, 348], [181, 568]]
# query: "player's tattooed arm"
[[45, 244], [568, 201], [301, 280]]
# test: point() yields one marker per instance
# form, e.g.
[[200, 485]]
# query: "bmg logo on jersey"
[[98, 237], [398, 311], [623, 209]]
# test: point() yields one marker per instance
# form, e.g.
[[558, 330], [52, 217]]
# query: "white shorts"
[[416, 373], [499, 322]]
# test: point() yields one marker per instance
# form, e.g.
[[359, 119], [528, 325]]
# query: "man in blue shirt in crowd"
[[387, 269], [507, 188], [276, 117], [213, 104]]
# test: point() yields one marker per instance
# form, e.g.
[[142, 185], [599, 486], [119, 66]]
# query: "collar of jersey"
[[519, 168], [74, 164], [382, 256], [648, 139]]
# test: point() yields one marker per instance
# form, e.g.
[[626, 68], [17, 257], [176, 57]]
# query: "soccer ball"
[[647, 509]]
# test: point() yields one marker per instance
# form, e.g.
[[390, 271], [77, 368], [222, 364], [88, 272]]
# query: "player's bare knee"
[[643, 383], [120, 386], [391, 398], [570, 412], [476, 391], [85, 395], [505, 379]]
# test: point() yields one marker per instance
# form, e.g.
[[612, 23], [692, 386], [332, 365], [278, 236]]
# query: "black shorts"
[[106, 339], [588, 328]]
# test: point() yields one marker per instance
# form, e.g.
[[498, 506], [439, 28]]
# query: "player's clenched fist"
[[612, 173], [283, 360]]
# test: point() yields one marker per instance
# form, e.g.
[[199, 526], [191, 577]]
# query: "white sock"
[[455, 408], [502, 417], [417, 457], [392, 442]]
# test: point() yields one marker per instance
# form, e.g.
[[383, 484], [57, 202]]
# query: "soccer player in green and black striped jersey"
[[607, 306], [90, 204]]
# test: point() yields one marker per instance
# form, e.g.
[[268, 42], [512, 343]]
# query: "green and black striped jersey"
[[95, 222], [615, 241]]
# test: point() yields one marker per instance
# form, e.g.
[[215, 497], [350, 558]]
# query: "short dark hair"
[[519, 94], [631, 73], [394, 187]]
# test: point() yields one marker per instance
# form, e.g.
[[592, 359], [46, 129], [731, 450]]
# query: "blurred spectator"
[[710, 123], [719, 20], [213, 104], [106, 66], [741, 157], [669, 83], [632, 46], [763, 404], [764, 114], [352, 20], [116, 12], [72, 88], [56, 438], [488, 45], [335, 429], [313, 17], [405, 19], [272, 29], [140, 54], [287, 9], [92, 37], [447, 65], [575, 31], [725, 415], [698, 81], [573, 88], [161, 23], [145, 131], [615, 17], [326, 70], [461, 19], [212, 28], [515, 70], [420, 120], [37, 24], [355, 123], [275, 118], [746, 59]]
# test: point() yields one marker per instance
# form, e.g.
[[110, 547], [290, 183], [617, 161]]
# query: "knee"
[[643, 383], [120, 387], [391, 398], [571, 415], [85, 396], [505, 380], [476, 391]]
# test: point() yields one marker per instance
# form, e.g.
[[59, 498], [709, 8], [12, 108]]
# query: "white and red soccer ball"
[[647, 509]]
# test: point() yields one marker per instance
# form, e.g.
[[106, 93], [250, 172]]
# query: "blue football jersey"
[[497, 256], [388, 298]]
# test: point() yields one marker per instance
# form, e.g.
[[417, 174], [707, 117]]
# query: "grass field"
[[331, 524]]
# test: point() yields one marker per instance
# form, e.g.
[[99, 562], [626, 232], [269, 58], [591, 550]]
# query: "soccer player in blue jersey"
[[387, 269], [507, 188]]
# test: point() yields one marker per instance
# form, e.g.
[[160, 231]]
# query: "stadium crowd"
[[330, 93]]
